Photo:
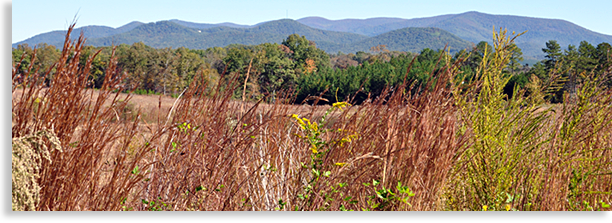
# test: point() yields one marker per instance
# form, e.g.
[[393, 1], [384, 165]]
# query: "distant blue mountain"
[[474, 27], [340, 35], [57, 38]]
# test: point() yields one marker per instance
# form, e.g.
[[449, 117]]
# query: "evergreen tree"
[[588, 60], [553, 54]]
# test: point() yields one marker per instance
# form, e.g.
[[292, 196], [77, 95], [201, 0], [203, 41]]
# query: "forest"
[[298, 65]]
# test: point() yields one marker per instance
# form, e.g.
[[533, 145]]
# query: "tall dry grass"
[[73, 179], [438, 150]]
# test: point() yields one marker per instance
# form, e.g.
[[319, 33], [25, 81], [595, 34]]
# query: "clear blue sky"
[[31, 17]]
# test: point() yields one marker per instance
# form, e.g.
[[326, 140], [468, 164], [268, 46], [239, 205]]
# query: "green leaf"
[[327, 173], [74, 144], [375, 205], [135, 170]]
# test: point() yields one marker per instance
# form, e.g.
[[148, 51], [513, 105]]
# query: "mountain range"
[[459, 31]]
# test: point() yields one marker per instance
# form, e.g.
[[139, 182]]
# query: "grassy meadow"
[[450, 147]]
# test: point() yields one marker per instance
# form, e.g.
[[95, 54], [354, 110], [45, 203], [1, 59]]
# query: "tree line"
[[298, 66]]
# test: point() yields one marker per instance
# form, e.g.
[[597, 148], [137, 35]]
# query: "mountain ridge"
[[411, 39], [471, 26], [91, 31], [476, 26], [170, 34]]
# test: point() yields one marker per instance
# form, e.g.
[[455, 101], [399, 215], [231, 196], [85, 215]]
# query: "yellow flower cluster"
[[305, 123], [314, 149], [341, 105], [348, 139]]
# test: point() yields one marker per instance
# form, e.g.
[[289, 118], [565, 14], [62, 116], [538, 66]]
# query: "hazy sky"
[[31, 17]]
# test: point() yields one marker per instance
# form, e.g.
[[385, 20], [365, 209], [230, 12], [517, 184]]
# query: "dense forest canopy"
[[297, 64]]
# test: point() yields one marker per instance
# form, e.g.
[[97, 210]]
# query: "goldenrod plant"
[[522, 149]]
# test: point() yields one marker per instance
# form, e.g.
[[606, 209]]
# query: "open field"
[[445, 148]]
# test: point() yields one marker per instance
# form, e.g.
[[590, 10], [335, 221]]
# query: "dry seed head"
[[28, 152]]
